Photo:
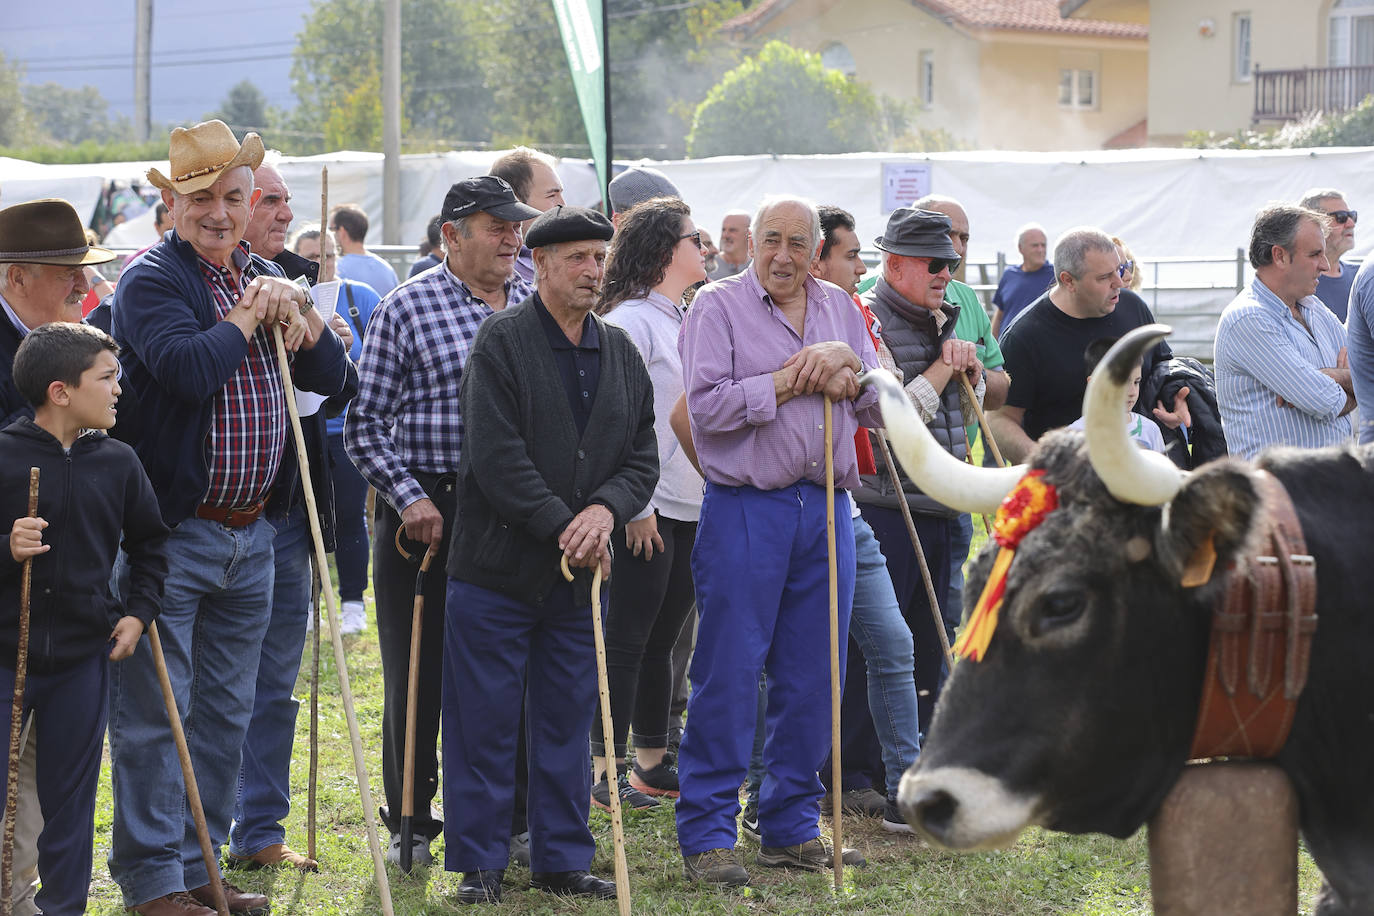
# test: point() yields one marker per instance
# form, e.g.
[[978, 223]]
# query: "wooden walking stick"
[[310, 816], [21, 670], [982, 421], [188, 774], [622, 871], [968, 458], [836, 771], [417, 619], [340, 661], [916, 545]]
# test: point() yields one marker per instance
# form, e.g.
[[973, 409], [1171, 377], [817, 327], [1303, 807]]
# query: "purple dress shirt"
[[731, 343]]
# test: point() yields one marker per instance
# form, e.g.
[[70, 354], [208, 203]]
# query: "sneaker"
[[813, 855], [749, 823], [420, 856], [354, 618], [630, 797], [857, 802], [893, 822], [715, 866], [520, 849], [657, 780]]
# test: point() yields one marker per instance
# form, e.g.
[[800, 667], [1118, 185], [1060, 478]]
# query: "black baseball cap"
[[489, 193]]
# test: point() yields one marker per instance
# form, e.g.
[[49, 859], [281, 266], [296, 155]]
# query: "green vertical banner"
[[580, 23]]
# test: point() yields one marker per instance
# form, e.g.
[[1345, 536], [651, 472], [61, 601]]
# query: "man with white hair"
[[1018, 287], [759, 351], [734, 245], [194, 317], [1044, 348], [1333, 286]]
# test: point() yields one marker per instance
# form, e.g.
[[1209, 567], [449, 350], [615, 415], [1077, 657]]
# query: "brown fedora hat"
[[47, 231], [199, 154]]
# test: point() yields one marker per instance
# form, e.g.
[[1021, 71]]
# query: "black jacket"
[[13, 405], [1205, 436], [524, 472], [88, 498]]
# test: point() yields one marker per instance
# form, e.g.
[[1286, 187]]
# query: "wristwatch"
[[304, 286]]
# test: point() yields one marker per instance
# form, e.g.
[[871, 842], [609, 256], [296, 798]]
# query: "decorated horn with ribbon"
[[938, 473], [1131, 474]]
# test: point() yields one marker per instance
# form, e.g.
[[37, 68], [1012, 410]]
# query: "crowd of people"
[[550, 386]]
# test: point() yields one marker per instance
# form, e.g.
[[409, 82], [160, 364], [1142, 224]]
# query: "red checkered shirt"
[[248, 428]]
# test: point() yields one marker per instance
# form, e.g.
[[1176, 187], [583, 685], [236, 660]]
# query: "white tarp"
[[1164, 202]]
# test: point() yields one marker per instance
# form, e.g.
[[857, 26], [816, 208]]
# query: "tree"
[[15, 126], [63, 115], [244, 108], [784, 100]]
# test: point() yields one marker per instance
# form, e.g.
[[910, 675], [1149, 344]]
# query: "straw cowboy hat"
[[200, 154], [47, 231]]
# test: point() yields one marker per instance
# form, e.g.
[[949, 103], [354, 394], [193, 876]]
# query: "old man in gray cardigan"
[[559, 450]]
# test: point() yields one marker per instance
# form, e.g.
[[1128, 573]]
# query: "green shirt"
[[973, 325]]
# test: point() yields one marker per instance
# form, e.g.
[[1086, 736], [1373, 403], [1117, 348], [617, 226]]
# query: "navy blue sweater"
[[177, 354]]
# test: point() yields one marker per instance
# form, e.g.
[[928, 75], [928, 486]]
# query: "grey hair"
[[1311, 199], [1071, 249], [5, 266], [928, 202], [1029, 227], [773, 200], [460, 225], [1277, 224]]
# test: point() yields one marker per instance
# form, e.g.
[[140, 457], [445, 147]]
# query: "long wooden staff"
[[622, 871], [916, 545], [417, 620], [188, 774], [21, 670], [991, 443], [310, 815], [340, 662], [836, 770]]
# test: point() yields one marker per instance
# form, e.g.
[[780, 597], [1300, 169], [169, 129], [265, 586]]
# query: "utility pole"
[[391, 123], [143, 52]]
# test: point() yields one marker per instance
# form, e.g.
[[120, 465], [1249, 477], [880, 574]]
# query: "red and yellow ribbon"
[[1024, 508]]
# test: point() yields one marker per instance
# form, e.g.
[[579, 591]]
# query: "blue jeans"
[[214, 615], [350, 522], [264, 786], [880, 630], [760, 569]]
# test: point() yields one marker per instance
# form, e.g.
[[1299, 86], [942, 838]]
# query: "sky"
[[197, 55]]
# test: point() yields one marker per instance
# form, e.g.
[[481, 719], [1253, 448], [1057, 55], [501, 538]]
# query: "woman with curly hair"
[[655, 256]]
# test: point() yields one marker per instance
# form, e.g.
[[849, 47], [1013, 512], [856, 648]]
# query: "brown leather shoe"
[[178, 904], [274, 856], [239, 901]]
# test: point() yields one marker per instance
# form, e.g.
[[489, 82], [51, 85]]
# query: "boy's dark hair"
[[352, 220], [833, 218], [1093, 353], [57, 352]]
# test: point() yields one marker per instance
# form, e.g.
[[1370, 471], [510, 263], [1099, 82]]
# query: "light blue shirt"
[[1263, 353], [1360, 345], [367, 268]]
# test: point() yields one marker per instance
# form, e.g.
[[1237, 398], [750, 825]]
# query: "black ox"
[[1080, 716]]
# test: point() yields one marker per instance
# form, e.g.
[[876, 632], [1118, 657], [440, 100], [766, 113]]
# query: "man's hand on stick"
[[423, 523], [585, 540]]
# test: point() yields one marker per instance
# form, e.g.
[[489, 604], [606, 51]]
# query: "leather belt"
[[1261, 639], [231, 517]]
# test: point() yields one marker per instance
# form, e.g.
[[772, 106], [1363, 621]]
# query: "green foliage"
[[92, 151], [15, 125], [245, 108], [1343, 128], [784, 100], [64, 115]]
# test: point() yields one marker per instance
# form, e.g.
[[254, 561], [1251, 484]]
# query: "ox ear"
[[1209, 521]]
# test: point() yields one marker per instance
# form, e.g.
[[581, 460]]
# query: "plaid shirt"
[[248, 428], [406, 416]]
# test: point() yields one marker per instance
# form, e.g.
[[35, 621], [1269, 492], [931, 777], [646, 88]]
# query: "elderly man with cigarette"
[[195, 318]]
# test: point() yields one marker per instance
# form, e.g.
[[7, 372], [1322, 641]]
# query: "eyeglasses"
[[1123, 269], [1342, 216], [939, 264], [694, 236]]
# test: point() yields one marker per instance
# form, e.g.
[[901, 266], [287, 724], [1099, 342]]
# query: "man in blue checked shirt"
[[404, 433], [1282, 376]]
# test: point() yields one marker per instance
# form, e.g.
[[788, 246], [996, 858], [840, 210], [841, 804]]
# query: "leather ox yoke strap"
[[1261, 638]]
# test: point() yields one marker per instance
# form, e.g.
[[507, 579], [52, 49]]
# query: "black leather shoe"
[[573, 884], [480, 886]]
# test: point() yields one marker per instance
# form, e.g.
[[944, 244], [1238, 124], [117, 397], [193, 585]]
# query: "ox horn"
[[938, 473], [1132, 474]]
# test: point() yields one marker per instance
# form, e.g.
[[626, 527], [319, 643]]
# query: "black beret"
[[568, 224]]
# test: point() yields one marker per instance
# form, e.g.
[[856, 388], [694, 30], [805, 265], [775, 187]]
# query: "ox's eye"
[[1055, 611]]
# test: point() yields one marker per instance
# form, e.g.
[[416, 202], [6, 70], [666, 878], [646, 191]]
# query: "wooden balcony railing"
[[1282, 95]]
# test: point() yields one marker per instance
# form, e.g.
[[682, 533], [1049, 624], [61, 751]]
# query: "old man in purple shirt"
[[759, 351]]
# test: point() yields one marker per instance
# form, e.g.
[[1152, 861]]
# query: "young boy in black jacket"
[[92, 489]]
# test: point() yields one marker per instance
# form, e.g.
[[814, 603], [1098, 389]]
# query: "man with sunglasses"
[[1333, 286]]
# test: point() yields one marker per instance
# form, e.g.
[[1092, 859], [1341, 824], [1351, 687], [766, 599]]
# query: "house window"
[[927, 78], [1077, 88], [1350, 34], [1240, 56], [838, 57]]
